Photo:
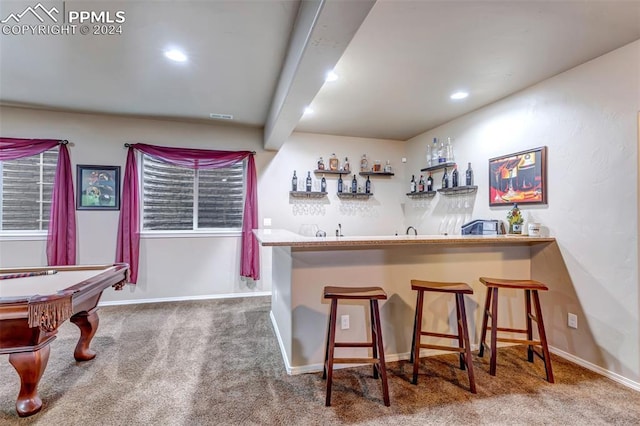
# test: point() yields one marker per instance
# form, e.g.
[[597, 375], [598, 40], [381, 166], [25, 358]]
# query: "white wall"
[[169, 267], [587, 117]]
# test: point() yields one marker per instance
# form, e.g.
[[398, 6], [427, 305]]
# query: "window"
[[177, 198], [26, 185]]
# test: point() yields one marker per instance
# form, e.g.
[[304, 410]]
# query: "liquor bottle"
[[354, 184], [367, 186], [445, 179], [421, 184], [429, 183], [429, 155], [323, 184], [346, 166], [364, 163], [294, 182], [387, 167], [320, 164], [308, 181], [469, 176], [442, 153], [449, 151], [413, 183], [434, 152], [454, 176], [340, 184], [333, 163]]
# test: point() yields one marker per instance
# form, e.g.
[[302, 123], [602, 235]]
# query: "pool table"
[[33, 307]]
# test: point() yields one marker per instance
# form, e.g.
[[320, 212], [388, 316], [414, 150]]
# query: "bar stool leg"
[[465, 335], [374, 339], [543, 337], [415, 323], [331, 346], [459, 316], [326, 348], [382, 365], [417, 331], [494, 332], [485, 318], [527, 305]]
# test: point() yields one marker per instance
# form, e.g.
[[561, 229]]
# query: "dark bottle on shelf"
[[367, 186], [469, 176], [340, 184], [454, 177], [413, 184], [421, 184], [445, 179], [323, 184], [354, 184], [308, 181], [294, 182], [429, 183]]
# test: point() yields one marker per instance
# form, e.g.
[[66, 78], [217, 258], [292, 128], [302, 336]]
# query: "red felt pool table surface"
[[32, 308]]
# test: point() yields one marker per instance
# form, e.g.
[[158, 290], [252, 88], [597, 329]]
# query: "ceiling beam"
[[321, 33]]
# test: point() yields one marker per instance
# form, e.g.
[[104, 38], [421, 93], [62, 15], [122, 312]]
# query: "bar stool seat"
[[530, 288], [464, 348], [372, 294]]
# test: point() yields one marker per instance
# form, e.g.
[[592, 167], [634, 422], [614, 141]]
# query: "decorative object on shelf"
[[364, 163], [518, 178], [354, 184], [387, 167], [535, 229], [367, 186], [454, 177], [421, 184], [515, 220], [445, 179], [333, 163], [469, 176], [340, 183], [346, 167], [434, 153], [294, 182], [308, 182], [377, 166], [412, 185], [323, 184], [429, 183], [320, 164], [98, 187]]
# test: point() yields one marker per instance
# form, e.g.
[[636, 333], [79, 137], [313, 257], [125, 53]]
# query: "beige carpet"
[[217, 362]]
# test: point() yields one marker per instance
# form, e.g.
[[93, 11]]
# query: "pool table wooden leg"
[[87, 322], [30, 366]]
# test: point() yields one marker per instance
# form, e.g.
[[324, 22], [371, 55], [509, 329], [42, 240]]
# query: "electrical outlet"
[[344, 322], [572, 320], [266, 221]]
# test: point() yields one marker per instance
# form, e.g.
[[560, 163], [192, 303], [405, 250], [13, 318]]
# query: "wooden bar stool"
[[491, 310], [372, 294], [464, 348]]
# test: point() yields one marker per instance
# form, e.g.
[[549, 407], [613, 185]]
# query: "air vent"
[[221, 116]]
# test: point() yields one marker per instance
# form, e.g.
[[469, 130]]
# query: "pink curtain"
[[128, 229], [128, 245], [61, 236]]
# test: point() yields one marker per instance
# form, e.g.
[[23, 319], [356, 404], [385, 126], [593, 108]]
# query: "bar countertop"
[[281, 237]]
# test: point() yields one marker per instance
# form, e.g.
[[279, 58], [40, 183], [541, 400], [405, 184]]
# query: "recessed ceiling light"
[[331, 76], [175, 55], [308, 110], [459, 95]]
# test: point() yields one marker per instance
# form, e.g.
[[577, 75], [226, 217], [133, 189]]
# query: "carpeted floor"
[[217, 362]]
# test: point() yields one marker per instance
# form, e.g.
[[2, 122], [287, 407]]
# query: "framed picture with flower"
[[97, 187], [519, 178]]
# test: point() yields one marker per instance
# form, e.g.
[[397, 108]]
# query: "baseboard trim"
[[184, 298], [283, 352], [596, 369]]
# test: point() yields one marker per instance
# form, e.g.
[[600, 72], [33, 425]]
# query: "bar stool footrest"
[[356, 361], [441, 347], [353, 345]]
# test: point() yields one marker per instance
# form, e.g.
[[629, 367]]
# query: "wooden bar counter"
[[301, 266]]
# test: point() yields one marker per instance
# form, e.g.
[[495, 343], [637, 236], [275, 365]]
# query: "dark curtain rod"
[[128, 145]]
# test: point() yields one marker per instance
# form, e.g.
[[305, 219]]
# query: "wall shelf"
[[423, 194], [352, 195], [331, 172], [438, 167], [307, 194], [376, 174], [458, 190]]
